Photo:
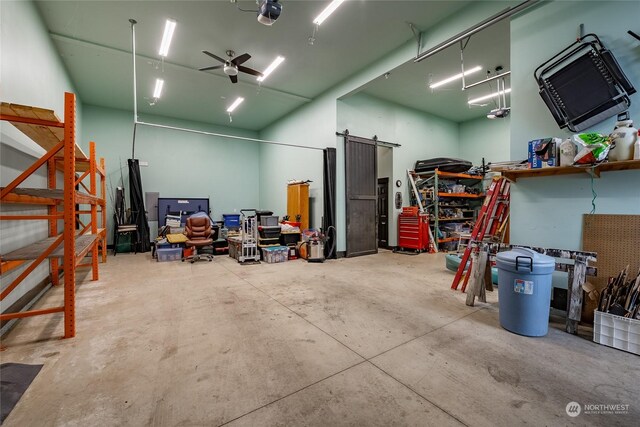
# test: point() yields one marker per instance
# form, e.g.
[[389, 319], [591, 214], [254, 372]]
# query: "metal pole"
[[264, 141], [135, 92], [462, 65], [488, 79], [378, 142], [476, 28]]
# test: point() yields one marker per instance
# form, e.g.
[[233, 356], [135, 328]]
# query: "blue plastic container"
[[231, 220], [524, 291]]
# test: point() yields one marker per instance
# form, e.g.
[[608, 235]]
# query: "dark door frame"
[[384, 180]]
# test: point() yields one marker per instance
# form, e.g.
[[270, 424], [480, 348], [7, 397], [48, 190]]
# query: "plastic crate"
[[269, 232], [269, 221], [617, 332], [275, 254], [289, 238], [231, 220], [169, 254]]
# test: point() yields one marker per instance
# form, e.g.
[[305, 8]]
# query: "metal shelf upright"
[[431, 200], [72, 245]]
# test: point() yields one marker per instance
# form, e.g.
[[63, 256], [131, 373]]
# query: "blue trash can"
[[524, 291]]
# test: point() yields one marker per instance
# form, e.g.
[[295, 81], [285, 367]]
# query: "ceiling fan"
[[232, 66]]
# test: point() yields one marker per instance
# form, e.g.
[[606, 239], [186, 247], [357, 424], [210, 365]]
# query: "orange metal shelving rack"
[[74, 243]]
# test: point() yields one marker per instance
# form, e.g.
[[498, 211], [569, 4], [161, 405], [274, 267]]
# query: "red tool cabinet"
[[413, 230]]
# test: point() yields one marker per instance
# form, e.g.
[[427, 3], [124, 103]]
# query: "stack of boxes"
[[269, 230]]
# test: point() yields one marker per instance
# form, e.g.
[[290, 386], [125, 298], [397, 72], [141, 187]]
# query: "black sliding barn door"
[[361, 182]]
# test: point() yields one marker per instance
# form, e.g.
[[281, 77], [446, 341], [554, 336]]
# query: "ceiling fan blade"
[[234, 79], [214, 56], [215, 67], [241, 59], [249, 71]]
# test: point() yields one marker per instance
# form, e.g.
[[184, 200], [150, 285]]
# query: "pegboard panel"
[[616, 239]]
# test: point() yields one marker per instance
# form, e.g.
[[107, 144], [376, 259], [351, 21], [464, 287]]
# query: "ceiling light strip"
[[169, 28], [158, 90], [327, 11], [270, 68], [487, 80], [454, 78], [235, 104], [491, 95]]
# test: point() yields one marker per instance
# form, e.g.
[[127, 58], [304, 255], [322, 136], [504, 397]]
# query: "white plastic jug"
[[624, 136], [567, 152]]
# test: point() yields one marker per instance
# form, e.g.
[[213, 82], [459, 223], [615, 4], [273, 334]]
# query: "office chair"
[[199, 232]]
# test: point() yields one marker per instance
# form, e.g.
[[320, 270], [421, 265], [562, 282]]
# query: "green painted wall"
[[31, 73], [181, 164], [485, 138], [315, 124], [420, 135], [548, 211]]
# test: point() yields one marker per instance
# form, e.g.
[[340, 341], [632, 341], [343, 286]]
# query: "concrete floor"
[[375, 340]]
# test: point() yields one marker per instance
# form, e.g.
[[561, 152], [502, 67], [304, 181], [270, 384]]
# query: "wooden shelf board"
[[33, 251], [459, 175], [448, 239], [44, 196], [571, 170], [45, 136], [6, 266], [448, 175], [462, 195]]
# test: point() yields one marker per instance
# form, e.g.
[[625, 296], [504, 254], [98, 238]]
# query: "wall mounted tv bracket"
[[583, 84]]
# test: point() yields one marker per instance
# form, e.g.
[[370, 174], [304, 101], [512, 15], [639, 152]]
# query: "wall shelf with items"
[[513, 175], [447, 197], [66, 246]]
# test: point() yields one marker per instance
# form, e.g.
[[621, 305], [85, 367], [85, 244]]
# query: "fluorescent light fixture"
[[235, 104], [169, 27], [158, 90], [327, 11], [454, 78], [491, 95], [271, 67]]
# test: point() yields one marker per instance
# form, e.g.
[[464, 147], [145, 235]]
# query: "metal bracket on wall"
[[417, 34]]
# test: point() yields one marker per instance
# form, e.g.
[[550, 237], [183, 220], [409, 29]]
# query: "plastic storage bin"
[[275, 254], [269, 220], [231, 220], [617, 332], [269, 232], [524, 291], [169, 254]]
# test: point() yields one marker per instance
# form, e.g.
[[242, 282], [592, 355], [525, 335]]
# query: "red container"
[[186, 252], [292, 223], [410, 210], [413, 231]]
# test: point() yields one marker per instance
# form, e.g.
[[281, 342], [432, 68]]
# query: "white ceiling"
[[409, 83], [94, 40]]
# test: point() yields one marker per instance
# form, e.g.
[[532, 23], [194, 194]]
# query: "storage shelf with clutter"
[[513, 175], [592, 153]]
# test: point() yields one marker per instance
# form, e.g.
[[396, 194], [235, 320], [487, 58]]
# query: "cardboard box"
[[543, 153]]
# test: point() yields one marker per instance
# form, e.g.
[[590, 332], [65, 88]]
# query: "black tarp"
[[329, 214], [138, 212]]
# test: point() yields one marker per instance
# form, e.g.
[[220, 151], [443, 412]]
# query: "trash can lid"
[[526, 259]]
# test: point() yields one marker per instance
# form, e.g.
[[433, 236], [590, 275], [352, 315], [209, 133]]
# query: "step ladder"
[[490, 225], [433, 247]]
